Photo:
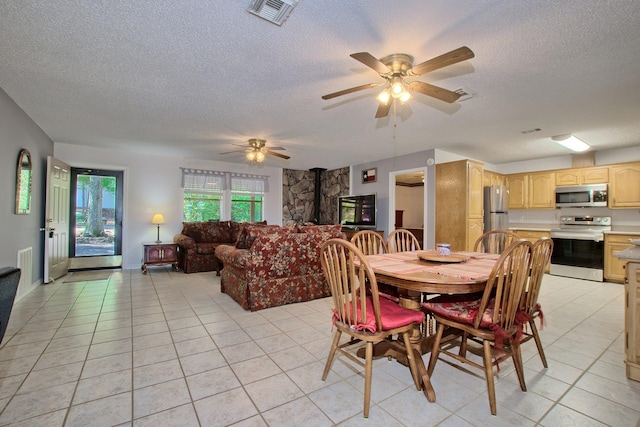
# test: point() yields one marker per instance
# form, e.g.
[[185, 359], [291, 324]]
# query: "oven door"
[[577, 256]]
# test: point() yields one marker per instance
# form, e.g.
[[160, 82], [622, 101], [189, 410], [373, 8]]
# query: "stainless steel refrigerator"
[[496, 207]]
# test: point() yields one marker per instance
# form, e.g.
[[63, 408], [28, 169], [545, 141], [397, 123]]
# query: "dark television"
[[357, 212]]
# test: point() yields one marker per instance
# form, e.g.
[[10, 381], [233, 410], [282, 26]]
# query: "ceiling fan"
[[397, 67], [256, 150]]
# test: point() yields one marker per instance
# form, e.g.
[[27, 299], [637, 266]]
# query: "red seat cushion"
[[391, 314], [460, 308]]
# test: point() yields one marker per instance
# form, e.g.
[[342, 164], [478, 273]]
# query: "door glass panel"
[[96, 215]]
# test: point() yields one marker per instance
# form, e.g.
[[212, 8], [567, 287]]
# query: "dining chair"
[[540, 258], [369, 242], [495, 241], [491, 320], [360, 313], [402, 240]]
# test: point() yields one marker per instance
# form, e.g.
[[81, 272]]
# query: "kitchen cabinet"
[[459, 206], [614, 267], [632, 321], [492, 178], [624, 188], [580, 176], [535, 190]]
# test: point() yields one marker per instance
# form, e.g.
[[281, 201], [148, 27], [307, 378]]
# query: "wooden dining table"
[[418, 274]]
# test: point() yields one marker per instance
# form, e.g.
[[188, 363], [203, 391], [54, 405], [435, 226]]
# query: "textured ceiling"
[[192, 77]]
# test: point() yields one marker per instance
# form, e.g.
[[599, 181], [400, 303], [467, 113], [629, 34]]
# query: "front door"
[[56, 228], [96, 218]]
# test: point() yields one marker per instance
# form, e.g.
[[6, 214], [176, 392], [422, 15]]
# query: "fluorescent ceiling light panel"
[[571, 142]]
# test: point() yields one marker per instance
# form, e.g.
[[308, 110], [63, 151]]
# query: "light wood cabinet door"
[[458, 202], [475, 194], [614, 267], [542, 187], [577, 176], [567, 177], [595, 175], [518, 190], [632, 321], [624, 189], [475, 228]]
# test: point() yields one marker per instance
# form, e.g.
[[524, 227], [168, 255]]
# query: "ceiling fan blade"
[[383, 110], [458, 55], [277, 148], [435, 91], [234, 151], [350, 90], [282, 156], [371, 61]]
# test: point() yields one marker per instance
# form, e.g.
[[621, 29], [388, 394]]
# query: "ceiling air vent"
[[465, 93], [276, 11]]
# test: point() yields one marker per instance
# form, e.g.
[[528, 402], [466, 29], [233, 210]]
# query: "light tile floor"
[[168, 349]]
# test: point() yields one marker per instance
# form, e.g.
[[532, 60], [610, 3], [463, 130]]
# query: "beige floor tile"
[[110, 411], [182, 416], [103, 386], [212, 382], [160, 397]]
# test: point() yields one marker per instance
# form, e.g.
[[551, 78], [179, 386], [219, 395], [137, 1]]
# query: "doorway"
[[407, 201], [95, 219]]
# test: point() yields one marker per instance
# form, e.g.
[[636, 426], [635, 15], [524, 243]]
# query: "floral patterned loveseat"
[[198, 242], [271, 265]]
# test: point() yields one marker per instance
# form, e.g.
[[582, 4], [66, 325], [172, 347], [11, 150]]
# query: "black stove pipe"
[[316, 194]]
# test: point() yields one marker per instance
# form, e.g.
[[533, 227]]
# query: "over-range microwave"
[[581, 196]]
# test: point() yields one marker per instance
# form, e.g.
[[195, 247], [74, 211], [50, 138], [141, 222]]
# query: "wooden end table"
[[160, 254]]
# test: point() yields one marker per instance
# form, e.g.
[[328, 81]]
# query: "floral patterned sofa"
[[198, 242], [271, 265]]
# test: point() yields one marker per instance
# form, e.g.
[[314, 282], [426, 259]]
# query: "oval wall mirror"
[[23, 183]]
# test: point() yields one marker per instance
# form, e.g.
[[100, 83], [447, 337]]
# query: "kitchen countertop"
[[531, 226], [624, 229]]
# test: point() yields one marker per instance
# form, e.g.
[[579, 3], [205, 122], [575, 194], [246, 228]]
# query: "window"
[[246, 208], [215, 196], [201, 207]]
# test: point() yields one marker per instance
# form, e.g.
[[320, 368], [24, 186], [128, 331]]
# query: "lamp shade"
[[157, 219]]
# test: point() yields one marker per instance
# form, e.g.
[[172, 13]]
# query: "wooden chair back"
[[401, 240], [346, 269], [540, 258], [369, 242], [506, 286], [495, 241]]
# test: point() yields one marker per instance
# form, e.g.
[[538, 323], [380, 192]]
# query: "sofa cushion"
[[249, 232], [208, 231], [207, 248]]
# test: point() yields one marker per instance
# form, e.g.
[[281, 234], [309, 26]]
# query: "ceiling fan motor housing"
[[398, 63]]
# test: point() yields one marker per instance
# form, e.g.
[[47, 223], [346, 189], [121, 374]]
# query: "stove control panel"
[[604, 221]]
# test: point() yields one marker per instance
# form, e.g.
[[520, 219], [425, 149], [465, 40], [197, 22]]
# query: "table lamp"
[[158, 219]]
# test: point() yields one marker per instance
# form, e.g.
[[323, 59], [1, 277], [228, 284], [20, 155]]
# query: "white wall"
[[411, 201], [152, 185]]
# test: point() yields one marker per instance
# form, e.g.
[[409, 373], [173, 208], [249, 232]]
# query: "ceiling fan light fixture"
[[384, 97], [571, 142], [397, 87], [406, 96], [251, 155], [259, 156]]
